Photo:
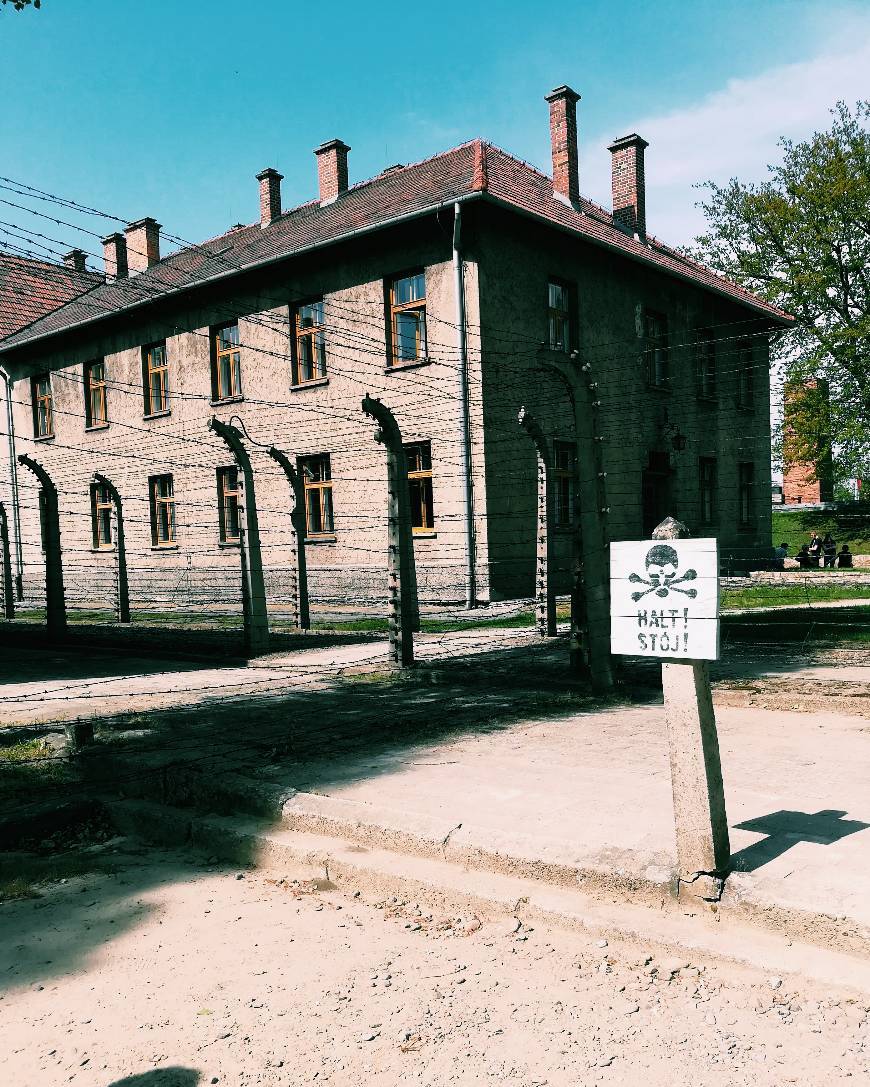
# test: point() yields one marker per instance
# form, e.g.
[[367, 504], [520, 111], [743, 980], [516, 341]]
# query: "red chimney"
[[75, 259], [115, 256], [629, 184], [563, 138], [270, 196], [332, 170], [143, 244]]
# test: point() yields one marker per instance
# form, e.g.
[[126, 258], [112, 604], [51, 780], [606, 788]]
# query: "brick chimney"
[[332, 170], [143, 244], [270, 196], [629, 184], [563, 139], [75, 259], [115, 256]]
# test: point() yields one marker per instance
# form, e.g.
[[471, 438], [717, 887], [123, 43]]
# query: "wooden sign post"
[[664, 597]]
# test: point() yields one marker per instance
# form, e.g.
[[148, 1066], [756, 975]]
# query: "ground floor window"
[[564, 457], [101, 515], [161, 492], [317, 479], [419, 456], [746, 494], [707, 490], [229, 505]]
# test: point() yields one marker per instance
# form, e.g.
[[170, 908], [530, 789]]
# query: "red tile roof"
[[472, 170], [29, 289]]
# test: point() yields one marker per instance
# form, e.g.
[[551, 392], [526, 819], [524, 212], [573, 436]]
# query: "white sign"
[[664, 599]]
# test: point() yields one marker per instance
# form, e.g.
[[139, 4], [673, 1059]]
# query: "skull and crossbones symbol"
[[662, 563]]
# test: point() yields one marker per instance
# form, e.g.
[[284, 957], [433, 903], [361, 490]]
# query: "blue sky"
[[168, 108]]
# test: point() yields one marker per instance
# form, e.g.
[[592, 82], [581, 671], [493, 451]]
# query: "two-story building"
[[442, 287]]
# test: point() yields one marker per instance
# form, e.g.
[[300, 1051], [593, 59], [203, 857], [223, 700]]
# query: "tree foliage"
[[20, 5], [801, 240]]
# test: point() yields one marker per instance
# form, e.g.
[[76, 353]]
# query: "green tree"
[[802, 241], [19, 5]]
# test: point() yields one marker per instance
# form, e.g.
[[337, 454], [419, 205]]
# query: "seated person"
[[844, 558], [780, 554], [805, 559]]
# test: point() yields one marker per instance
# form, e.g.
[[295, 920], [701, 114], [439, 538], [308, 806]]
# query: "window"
[[161, 494], [155, 379], [706, 364], [419, 456], [564, 457], [229, 505], [408, 318], [95, 394], [746, 494], [707, 489], [559, 315], [101, 515], [745, 374], [657, 352], [317, 477], [310, 358], [226, 375], [43, 415]]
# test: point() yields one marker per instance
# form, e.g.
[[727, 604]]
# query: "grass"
[[767, 596], [795, 527]]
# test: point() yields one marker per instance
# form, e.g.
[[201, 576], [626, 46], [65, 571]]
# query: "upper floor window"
[[559, 315], [43, 412], [161, 495], [101, 515], [309, 361], [96, 414], [707, 490], [564, 457], [226, 368], [408, 318], [155, 379], [746, 494], [229, 505], [317, 480], [745, 374], [706, 364], [657, 349], [419, 456]]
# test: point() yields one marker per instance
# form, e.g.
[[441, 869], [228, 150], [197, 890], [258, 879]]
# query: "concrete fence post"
[[250, 559], [300, 528], [404, 609], [590, 593], [703, 845], [55, 597], [545, 591], [8, 586], [121, 546]]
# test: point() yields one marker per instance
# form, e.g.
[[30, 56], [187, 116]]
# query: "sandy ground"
[[174, 973]]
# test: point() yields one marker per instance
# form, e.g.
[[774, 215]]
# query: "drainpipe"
[[13, 480], [464, 419]]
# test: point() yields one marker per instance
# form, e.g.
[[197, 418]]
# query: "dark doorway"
[[657, 498]]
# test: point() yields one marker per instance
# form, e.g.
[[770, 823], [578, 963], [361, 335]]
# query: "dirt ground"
[[164, 970]]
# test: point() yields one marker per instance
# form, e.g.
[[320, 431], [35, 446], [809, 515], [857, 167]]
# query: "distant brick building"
[[806, 482], [462, 272]]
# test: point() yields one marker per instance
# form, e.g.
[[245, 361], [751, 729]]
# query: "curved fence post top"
[[104, 481], [531, 426], [377, 410], [231, 436], [287, 464], [38, 470]]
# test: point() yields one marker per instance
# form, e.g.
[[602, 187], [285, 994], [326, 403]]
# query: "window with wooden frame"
[[746, 494], [745, 374], [101, 516], [226, 363], [317, 481], [94, 378], [408, 319], [309, 359], [419, 455], [707, 490], [705, 364], [564, 461], [229, 505], [161, 495], [559, 331], [155, 379], [657, 350], [43, 411]]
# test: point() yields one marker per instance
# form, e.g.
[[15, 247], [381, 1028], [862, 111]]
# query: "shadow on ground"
[[784, 829], [161, 1077]]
